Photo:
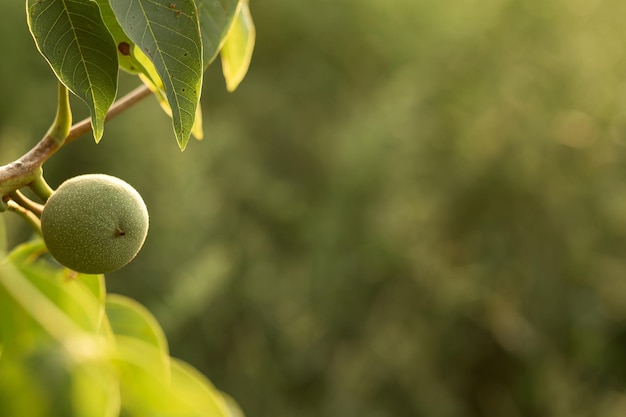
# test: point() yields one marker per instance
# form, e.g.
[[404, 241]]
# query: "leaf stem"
[[41, 188], [63, 121]]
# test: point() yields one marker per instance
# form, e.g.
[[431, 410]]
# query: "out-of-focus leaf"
[[95, 390], [197, 390], [43, 378], [198, 130], [129, 318], [45, 312], [237, 50], [19, 391], [47, 339], [91, 287], [75, 41], [148, 392], [234, 410], [57, 302], [3, 237], [168, 33], [216, 18], [27, 253], [94, 283], [55, 360]]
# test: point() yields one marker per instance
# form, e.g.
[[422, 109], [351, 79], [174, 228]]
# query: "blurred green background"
[[408, 208]]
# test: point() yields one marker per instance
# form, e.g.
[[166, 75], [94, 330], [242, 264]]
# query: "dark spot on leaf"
[[172, 6], [124, 48]]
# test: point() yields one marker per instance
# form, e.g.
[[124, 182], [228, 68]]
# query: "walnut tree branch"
[[133, 97], [26, 169]]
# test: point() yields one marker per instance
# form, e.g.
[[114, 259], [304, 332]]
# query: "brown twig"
[[133, 97], [27, 168]]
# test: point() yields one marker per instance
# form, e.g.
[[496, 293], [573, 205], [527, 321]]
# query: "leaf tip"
[[182, 139], [98, 131]]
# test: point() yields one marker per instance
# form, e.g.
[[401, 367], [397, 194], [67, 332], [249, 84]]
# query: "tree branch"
[[23, 171], [133, 97]]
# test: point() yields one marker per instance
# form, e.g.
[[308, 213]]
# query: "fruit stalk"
[[27, 215]]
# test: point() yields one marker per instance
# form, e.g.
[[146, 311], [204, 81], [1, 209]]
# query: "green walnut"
[[94, 223]]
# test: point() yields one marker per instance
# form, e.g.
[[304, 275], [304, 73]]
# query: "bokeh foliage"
[[408, 208]]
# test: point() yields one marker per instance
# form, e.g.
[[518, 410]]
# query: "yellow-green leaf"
[[237, 51], [216, 19], [129, 318]]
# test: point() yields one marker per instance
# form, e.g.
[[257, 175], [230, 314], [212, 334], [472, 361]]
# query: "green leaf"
[[73, 38], [95, 390], [125, 45], [150, 78], [234, 410], [145, 389], [216, 19], [237, 51], [147, 392], [55, 361], [63, 307], [197, 390], [19, 395], [94, 283], [168, 33], [3, 238], [129, 318], [26, 254], [136, 329]]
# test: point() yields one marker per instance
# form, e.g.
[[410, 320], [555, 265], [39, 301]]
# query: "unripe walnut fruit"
[[94, 223]]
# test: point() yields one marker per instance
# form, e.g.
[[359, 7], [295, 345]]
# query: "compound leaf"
[[75, 41]]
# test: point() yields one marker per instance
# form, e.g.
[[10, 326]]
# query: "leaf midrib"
[[83, 61], [160, 53]]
